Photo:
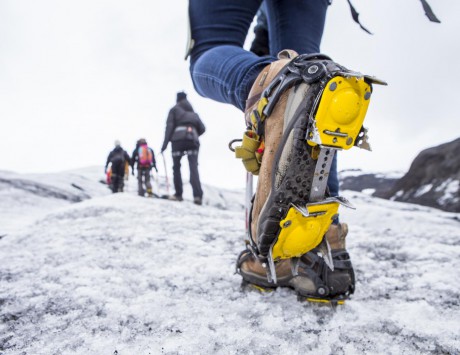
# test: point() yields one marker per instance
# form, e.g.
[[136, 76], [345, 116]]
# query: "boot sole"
[[267, 288], [295, 186]]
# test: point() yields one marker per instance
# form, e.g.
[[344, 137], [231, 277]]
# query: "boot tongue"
[[324, 250]]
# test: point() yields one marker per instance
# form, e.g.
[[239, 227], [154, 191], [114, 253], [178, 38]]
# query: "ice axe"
[[157, 184], [166, 176], [156, 180]]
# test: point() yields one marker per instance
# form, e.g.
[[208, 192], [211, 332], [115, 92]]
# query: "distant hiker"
[[118, 157], [183, 127], [145, 159]]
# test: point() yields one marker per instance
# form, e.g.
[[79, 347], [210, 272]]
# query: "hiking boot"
[[176, 198], [198, 201], [300, 110], [316, 280], [287, 167], [254, 272]]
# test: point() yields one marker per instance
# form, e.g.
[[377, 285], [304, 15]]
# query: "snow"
[[422, 190], [368, 191], [450, 188], [358, 172], [397, 194], [27, 197], [120, 274]]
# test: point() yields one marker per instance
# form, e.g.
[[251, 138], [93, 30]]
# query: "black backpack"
[[187, 130], [118, 159]]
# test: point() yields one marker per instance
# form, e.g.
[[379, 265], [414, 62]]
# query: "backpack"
[[145, 155], [118, 159]]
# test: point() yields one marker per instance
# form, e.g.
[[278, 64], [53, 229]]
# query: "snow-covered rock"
[[432, 180], [372, 183]]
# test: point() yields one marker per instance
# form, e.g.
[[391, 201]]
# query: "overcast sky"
[[76, 75]]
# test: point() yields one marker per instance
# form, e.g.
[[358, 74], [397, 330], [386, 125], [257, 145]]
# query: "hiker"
[[145, 158], [277, 93], [183, 127], [118, 157]]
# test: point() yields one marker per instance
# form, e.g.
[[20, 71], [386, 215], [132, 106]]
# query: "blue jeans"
[[223, 71]]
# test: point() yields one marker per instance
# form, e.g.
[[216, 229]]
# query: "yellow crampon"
[[303, 229], [338, 122], [341, 112], [259, 289], [328, 302]]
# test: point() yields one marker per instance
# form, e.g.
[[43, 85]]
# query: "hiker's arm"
[[169, 130], [201, 127], [133, 159], [108, 161]]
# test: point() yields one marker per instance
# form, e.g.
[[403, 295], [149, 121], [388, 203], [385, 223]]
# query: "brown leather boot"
[[291, 172], [314, 278], [255, 272], [301, 109], [286, 170], [248, 266], [336, 236], [274, 127]]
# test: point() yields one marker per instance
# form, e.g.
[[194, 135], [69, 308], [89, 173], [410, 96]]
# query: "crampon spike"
[[324, 251]]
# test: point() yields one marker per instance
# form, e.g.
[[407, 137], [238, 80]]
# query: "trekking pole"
[[156, 183], [249, 192], [166, 173]]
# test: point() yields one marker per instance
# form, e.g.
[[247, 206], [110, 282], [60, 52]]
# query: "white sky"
[[76, 75]]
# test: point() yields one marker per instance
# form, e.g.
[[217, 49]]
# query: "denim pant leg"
[[296, 25], [333, 182], [194, 175], [117, 176], [177, 177], [148, 184], [140, 182], [221, 69]]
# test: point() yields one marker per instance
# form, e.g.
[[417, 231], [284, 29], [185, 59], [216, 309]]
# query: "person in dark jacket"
[[145, 159], [183, 127], [118, 157]]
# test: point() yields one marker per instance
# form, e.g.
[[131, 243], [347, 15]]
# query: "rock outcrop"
[[432, 180]]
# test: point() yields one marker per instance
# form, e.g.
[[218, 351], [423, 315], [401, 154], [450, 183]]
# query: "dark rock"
[[380, 183], [432, 180]]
